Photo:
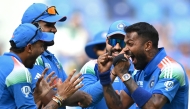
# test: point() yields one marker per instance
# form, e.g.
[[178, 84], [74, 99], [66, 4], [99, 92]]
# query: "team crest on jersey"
[[151, 84], [169, 85], [47, 65], [26, 90]]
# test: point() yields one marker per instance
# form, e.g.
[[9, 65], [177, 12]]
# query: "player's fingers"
[[39, 80], [78, 81], [45, 70], [59, 82], [53, 86], [53, 81], [110, 57], [80, 104], [71, 75], [79, 86], [49, 76], [75, 77], [127, 56]]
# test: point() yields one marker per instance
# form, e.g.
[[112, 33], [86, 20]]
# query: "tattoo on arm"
[[123, 67]]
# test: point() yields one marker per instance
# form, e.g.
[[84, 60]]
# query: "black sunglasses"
[[114, 41]]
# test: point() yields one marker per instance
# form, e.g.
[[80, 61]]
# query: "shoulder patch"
[[19, 74], [171, 69], [88, 68]]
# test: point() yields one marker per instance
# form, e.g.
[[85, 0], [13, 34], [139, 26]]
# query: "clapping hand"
[[43, 86], [69, 86]]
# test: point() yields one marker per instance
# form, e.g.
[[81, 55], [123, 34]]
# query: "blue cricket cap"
[[27, 33], [117, 28], [35, 10], [99, 38]]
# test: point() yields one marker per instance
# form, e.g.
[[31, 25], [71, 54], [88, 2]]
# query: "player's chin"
[[30, 66]]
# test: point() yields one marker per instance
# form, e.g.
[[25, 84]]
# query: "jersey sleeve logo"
[[26, 90], [169, 85]]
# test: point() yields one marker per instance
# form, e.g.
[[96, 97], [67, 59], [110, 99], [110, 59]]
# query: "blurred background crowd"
[[87, 17]]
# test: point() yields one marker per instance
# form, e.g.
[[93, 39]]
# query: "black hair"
[[16, 49], [144, 30]]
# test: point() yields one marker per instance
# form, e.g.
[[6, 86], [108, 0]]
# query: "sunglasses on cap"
[[51, 10], [114, 41]]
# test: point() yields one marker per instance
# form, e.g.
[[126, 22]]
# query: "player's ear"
[[28, 48], [148, 45]]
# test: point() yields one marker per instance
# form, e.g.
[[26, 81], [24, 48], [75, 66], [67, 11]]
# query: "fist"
[[104, 62], [121, 64]]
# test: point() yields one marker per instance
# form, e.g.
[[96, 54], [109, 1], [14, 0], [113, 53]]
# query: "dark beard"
[[31, 61], [141, 61], [49, 43]]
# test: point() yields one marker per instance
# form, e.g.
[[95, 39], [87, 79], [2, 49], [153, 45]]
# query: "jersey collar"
[[47, 53], [152, 65], [14, 55]]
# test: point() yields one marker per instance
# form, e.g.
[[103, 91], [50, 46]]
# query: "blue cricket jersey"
[[93, 87], [15, 83], [165, 76], [48, 60]]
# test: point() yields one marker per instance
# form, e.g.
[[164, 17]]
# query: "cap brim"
[[89, 49], [54, 18], [47, 37], [116, 32]]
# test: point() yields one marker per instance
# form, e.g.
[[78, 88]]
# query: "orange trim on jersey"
[[165, 61]]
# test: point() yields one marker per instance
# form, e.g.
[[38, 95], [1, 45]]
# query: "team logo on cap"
[[120, 26]]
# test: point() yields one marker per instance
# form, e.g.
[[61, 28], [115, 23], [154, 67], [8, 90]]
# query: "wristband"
[[105, 78], [57, 100], [119, 58], [141, 96]]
